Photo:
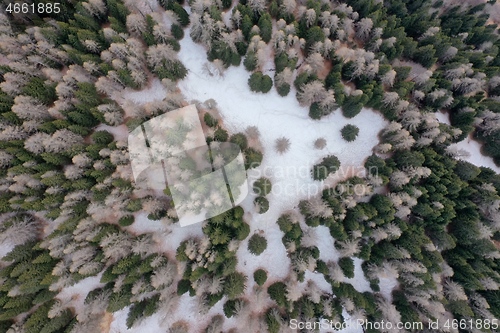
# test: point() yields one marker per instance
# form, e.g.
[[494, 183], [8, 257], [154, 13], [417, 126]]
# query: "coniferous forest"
[[423, 232]]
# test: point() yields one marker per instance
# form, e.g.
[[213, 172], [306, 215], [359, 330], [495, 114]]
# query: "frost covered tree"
[[363, 28], [28, 108], [288, 6], [61, 140], [136, 23], [315, 61], [311, 92]]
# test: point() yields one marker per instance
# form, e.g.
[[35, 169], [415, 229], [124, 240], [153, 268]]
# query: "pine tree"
[[235, 285], [257, 244]]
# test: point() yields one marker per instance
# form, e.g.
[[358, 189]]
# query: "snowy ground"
[[471, 146], [275, 117], [443, 117]]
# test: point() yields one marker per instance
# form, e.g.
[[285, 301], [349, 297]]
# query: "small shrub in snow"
[[257, 244], [240, 139], [260, 83], [220, 135], [234, 285], [329, 165], [262, 186], [260, 276], [209, 120], [253, 158], [262, 204], [349, 132]]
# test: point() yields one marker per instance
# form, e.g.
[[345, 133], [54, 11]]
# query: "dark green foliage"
[[37, 88], [273, 325], [125, 221], [177, 31], [229, 308], [266, 27], [260, 276], [250, 61], [425, 56], [285, 223], [102, 137], [402, 72], [240, 139], [210, 121], [353, 104], [260, 83], [141, 309], [170, 69], [466, 171], [183, 286], [347, 266], [257, 244], [234, 285], [58, 323], [181, 12], [283, 90], [121, 299], [315, 111], [277, 292], [313, 35], [349, 132], [262, 204], [262, 186], [408, 158], [328, 165], [243, 231], [302, 79], [252, 158], [220, 134], [246, 26]]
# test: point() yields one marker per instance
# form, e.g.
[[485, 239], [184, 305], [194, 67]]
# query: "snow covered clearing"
[[443, 117], [74, 296], [359, 281], [154, 92], [469, 149], [473, 148], [119, 132], [387, 284], [277, 117]]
